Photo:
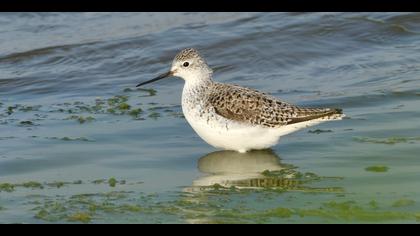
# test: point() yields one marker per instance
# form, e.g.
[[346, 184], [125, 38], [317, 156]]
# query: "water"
[[75, 148]]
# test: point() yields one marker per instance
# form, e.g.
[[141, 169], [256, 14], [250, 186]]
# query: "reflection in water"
[[229, 175], [255, 170], [230, 168]]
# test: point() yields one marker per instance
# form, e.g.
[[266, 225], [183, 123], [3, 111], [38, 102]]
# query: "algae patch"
[[377, 168], [80, 217], [32, 185], [81, 119], [84, 207], [346, 211], [390, 140], [112, 182], [6, 187], [68, 139], [403, 203], [318, 131]]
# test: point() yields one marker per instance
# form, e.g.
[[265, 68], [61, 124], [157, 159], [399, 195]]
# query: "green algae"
[[417, 215], [112, 182], [377, 168], [177, 114], [117, 100], [318, 131], [291, 172], [29, 108], [154, 115], [151, 92], [6, 187], [32, 185], [124, 106], [355, 214], [373, 204], [210, 207], [403, 202], [85, 113], [81, 119], [83, 207], [80, 217], [347, 211], [51, 211], [68, 139], [9, 187], [390, 140], [111, 111], [75, 139], [351, 211], [278, 212], [57, 184], [11, 109], [135, 112], [42, 215]]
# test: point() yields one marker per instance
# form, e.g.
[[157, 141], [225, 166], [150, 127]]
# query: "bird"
[[232, 117]]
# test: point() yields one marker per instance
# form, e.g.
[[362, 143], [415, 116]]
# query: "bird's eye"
[[186, 64]]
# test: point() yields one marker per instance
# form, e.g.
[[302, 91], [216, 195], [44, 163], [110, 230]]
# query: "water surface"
[[79, 143]]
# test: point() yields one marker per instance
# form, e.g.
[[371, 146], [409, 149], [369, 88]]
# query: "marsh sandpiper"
[[232, 117]]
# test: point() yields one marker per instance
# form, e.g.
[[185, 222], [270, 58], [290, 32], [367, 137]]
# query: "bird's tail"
[[308, 114]]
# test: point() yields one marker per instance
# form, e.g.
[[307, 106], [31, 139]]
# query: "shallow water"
[[79, 143]]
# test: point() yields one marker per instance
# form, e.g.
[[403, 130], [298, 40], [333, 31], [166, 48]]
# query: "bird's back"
[[249, 106]]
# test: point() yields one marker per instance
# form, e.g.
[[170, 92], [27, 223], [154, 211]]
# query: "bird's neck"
[[198, 83], [195, 91]]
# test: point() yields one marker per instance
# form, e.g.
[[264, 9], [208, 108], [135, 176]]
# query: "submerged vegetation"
[[205, 207], [377, 168], [390, 140], [212, 204], [318, 131], [81, 119], [11, 187], [6, 187], [403, 202], [88, 112]]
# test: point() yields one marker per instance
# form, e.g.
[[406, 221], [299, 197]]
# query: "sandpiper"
[[232, 117]]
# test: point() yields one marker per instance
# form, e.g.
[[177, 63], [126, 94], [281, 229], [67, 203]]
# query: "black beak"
[[162, 76]]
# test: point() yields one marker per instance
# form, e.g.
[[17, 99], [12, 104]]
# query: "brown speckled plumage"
[[250, 106], [186, 54]]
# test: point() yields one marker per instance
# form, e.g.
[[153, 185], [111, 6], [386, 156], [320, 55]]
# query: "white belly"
[[230, 135]]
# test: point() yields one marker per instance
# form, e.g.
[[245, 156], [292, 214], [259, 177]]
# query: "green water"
[[80, 144]]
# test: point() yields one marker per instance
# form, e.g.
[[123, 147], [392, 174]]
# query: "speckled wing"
[[253, 107]]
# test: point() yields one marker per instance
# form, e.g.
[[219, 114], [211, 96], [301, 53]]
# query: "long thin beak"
[[162, 76]]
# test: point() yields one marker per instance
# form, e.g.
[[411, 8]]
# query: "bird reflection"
[[260, 169], [230, 168]]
